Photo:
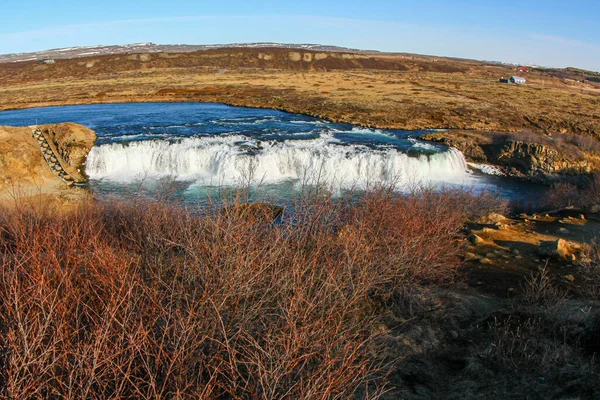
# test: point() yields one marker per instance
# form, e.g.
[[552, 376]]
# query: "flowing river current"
[[203, 146]]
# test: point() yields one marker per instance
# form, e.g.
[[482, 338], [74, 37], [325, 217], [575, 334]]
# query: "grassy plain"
[[380, 90]]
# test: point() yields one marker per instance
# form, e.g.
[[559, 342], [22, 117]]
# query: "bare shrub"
[[584, 142], [540, 292], [527, 343], [564, 194], [145, 299], [589, 269]]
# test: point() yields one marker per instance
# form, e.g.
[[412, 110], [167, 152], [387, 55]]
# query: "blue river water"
[[199, 148]]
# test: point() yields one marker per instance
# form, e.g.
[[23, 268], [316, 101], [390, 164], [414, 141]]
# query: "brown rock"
[[558, 249], [533, 159], [474, 239], [497, 218], [470, 257]]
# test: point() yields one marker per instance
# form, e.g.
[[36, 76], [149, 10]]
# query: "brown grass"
[[382, 90], [151, 300]]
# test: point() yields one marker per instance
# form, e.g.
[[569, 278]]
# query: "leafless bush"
[[540, 292], [151, 300], [584, 142], [563, 194], [525, 342], [589, 269]]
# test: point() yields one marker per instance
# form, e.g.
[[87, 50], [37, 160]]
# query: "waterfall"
[[237, 159]]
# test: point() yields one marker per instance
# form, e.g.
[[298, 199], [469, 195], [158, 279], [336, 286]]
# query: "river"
[[200, 148]]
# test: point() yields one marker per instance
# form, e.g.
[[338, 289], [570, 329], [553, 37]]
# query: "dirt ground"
[[502, 253]]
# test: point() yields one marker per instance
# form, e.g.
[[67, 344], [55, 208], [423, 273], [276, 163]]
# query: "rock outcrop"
[[24, 171], [533, 160], [558, 249], [537, 162], [72, 141]]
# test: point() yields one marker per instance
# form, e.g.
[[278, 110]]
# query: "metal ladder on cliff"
[[50, 157]]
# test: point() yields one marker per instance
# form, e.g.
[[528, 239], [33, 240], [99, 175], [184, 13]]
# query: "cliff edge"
[[26, 174]]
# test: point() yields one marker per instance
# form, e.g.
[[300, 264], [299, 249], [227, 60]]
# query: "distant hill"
[[574, 74], [88, 51]]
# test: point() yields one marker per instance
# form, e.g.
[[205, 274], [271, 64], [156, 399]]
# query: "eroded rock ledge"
[[537, 162], [23, 170]]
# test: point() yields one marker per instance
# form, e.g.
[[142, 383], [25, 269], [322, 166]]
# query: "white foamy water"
[[487, 169], [236, 159]]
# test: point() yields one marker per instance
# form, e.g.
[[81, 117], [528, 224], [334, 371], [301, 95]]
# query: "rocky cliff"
[[533, 160], [23, 170], [537, 162]]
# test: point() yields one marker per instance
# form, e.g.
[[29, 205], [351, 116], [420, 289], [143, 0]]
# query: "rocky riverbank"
[[532, 157]]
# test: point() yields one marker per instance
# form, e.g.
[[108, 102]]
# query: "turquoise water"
[[199, 150]]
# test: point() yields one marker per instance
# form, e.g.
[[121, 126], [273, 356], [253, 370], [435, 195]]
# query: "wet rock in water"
[[558, 249], [485, 261], [515, 252]]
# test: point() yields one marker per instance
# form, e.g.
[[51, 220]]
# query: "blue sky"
[[551, 33]]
